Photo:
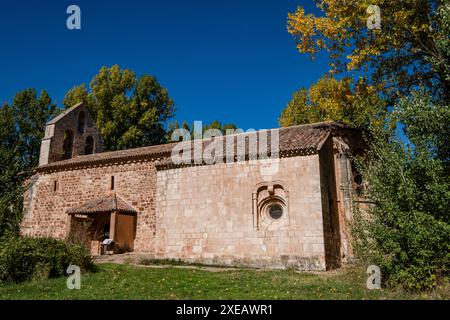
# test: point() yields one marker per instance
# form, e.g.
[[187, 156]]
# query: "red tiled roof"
[[103, 205], [152, 152], [309, 138], [299, 140]]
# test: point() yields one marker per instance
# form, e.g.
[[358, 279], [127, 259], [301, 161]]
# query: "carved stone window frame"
[[260, 206]]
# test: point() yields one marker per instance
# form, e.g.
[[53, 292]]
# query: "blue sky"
[[227, 60]]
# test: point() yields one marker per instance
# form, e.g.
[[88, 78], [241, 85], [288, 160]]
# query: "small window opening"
[[55, 185], [89, 146], [112, 183], [81, 122], [67, 145]]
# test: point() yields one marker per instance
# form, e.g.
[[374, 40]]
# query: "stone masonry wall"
[[45, 209], [52, 144], [201, 213], [205, 214]]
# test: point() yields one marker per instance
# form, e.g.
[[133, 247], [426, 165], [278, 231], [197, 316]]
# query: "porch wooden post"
[[112, 225]]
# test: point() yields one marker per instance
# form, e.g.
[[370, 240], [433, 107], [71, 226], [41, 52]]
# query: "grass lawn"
[[119, 281]]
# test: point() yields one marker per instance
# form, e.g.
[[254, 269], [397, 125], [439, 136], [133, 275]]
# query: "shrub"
[[23, 258], [406, 231]]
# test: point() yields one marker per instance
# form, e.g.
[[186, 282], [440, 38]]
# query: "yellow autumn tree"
[[353, 102], [396, 57]]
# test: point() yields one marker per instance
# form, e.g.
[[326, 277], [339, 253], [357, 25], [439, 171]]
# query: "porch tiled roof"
[[104, 204]]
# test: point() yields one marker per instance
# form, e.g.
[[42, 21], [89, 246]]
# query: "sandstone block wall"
[[205, 213], [46, 209], [200, 213]]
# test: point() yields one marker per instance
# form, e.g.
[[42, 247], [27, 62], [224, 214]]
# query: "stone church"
[[227, 213]]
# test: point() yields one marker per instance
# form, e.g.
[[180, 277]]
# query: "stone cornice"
[[167, 165]]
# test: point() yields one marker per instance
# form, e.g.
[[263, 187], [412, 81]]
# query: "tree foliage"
[[185, 125], [129, 111], [409, 50], [21, 131], [407, 229], [23, 258], [31, 113], [10, 167], [354, 103]]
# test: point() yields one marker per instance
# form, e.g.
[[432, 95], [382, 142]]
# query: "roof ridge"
[[64, 113]]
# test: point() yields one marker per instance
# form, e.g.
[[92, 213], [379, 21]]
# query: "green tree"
[[21, 130], [10, 167], [129, 111], [407, 229], [185, 125], [175, 125], [76, 95], [31, 113], [219, 126]]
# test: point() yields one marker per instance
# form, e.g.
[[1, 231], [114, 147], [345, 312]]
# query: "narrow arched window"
[[68, 145], [81, 122], [89, 146]]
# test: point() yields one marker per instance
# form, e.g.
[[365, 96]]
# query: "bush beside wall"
[[23, 258]]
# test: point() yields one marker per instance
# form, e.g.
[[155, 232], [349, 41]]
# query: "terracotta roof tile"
[[303, 137], [102, 205]]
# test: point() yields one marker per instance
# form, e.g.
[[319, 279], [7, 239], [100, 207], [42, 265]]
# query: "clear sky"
[[227, 60]]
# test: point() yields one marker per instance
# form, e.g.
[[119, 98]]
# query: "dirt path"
[[136, 259]]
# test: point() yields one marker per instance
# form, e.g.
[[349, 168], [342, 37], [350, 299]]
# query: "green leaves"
[[23, 258], [213, 125], [31, 113], [129, 111], [21, 130], [407, 230], [76, 95]]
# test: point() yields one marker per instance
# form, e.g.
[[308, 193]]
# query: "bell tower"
[[71, 134]]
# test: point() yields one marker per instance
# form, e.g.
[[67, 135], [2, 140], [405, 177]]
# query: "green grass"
[[114, 281]]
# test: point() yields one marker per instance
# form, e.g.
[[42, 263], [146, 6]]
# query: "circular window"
[[275, 211]]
